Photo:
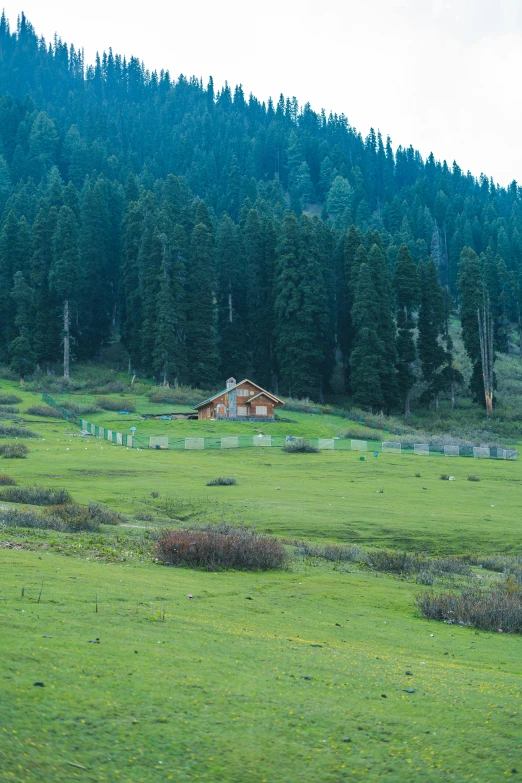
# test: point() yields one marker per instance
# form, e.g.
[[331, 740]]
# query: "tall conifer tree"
[[202, 349], [64, 275], [406, 286]]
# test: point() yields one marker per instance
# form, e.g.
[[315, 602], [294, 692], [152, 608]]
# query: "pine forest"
[[198, 233]]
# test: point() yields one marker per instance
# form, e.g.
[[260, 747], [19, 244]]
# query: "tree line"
[[214, 234]]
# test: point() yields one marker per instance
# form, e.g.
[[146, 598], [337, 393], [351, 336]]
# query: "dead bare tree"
[[485, 327]]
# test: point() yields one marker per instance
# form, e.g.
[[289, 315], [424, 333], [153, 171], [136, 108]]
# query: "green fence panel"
[[342, 444], [212, 443], [96, 431]]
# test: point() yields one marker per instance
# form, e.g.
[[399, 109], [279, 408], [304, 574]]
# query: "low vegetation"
[[9, 399], [389, 561], [16, 432], [80, 408], [222, 481], [13, 451], [9, 409], [300, 446], [35, 496], [220, 547], [108, 404], [7, 481], [498, 608], [69, 517], [44, 410], [180, 395]]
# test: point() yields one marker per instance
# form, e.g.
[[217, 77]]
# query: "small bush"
[[426, 578], [182, 395], [111, 387], [9, 409], [14, 451], [9, 399], [450, 565], [499, 563], [302, 406], [14, 517], [44, 410], [142, 516], [80, 408], [417, 475], [73, 518], [222, 481], [473, 478], [359, 433], [104, 515], [300, 446], [395, 562], [499, 608], [444, 477], [7, 481], [332, 552], [36, 496], [16, 432], [213, 549], [116, 405], [67, 518]]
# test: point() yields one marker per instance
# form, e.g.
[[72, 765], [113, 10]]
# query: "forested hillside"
[[215, 235]]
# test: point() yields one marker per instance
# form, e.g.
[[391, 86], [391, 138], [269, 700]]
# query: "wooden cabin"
[[244, 401]]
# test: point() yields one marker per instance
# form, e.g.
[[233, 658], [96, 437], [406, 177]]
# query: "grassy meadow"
[[277, 676]]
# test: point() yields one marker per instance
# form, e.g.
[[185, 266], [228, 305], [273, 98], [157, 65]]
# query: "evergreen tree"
[[233, 325], [15, 252], [46, 333], [21, 349], [64, 275], [431, 326], [259, 242], [367, 355], [95, 260], [168, 346], [385, 326], [202, 350], [131, 300], [300, 310], [406, 286], [152, 262], [346, 286], [496, 280], [471, 290]]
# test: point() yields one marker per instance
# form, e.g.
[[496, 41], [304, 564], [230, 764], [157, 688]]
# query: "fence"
[[278, 441]]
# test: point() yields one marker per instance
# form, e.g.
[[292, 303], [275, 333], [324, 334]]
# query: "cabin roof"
[[245, 380]]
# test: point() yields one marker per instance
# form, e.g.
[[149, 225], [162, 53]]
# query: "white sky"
[[442, 75]]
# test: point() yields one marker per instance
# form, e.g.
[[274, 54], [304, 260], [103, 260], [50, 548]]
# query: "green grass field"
[[215, 690]]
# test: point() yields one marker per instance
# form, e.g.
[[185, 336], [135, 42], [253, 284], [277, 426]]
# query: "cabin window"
[[241, 410], [261, 410], [243, 392]]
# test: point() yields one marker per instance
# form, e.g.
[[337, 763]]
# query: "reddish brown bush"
[[215, 548]]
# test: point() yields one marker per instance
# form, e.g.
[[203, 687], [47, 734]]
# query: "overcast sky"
[[442, 75]]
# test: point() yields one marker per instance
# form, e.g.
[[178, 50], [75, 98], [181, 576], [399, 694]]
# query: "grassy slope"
[[221, 698], [216, 692], [330, 495]]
